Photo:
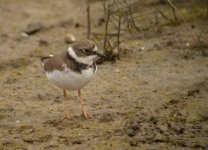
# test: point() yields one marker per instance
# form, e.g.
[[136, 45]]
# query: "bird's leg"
[[84, 111], [66, 114]]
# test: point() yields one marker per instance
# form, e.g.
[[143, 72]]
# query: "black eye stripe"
[[89, 52], [86, 50]]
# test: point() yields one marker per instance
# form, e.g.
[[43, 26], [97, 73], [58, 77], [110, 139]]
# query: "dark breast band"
[[81, 66]]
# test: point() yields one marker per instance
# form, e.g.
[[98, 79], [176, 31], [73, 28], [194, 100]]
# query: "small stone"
[[43, 42], [66, 23], [33, 28], [117, 70], [70, 38], [24, 35], [21, 36], [142, 48]]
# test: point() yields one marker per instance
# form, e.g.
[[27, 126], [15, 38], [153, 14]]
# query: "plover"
[[72, 70]]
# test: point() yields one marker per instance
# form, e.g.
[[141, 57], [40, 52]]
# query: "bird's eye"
[[86, 50]]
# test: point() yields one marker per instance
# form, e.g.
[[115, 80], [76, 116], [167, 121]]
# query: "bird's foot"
[[86, 114], [66, 116]]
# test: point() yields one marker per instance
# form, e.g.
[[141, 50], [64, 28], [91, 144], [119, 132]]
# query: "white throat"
[[86, 60]]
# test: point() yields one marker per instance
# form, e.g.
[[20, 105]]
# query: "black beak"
[[100, 54]]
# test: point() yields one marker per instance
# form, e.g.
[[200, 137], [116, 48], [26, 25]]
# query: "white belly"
[[69, 80]]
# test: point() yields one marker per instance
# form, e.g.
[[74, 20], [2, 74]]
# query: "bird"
[[73, 69]]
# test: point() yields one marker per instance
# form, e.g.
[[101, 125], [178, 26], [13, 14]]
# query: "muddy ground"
[[154, 97]]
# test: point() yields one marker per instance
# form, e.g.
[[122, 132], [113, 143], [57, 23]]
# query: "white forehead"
[[85, 60], [95, 48]]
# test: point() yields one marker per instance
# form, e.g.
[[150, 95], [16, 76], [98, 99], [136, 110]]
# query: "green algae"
[[104, 125], [112, 144], [12, 145], [196, 118], [155, 55]]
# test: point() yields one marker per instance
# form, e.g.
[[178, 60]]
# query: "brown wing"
[[58, 62], [52, 63]]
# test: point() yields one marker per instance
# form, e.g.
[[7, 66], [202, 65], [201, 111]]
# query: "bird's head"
[[84, 51]]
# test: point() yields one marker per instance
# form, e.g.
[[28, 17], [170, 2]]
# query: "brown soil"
[[155, 97]]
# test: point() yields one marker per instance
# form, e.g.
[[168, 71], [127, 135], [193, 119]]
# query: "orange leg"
[[84, 111], [66, 113]]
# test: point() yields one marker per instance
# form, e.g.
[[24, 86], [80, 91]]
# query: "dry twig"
[[88, 20]]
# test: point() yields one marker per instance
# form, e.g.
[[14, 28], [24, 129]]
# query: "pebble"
[[142, 48], [33, 28], [24, 35], [17, 121], [43, 42], [70, 38], [117, 70]]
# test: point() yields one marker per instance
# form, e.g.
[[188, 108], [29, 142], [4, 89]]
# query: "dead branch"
[[163, 15], [181, 16], [106, 26], [173, 9], [118, 37], [101, 34], [88, 20]]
